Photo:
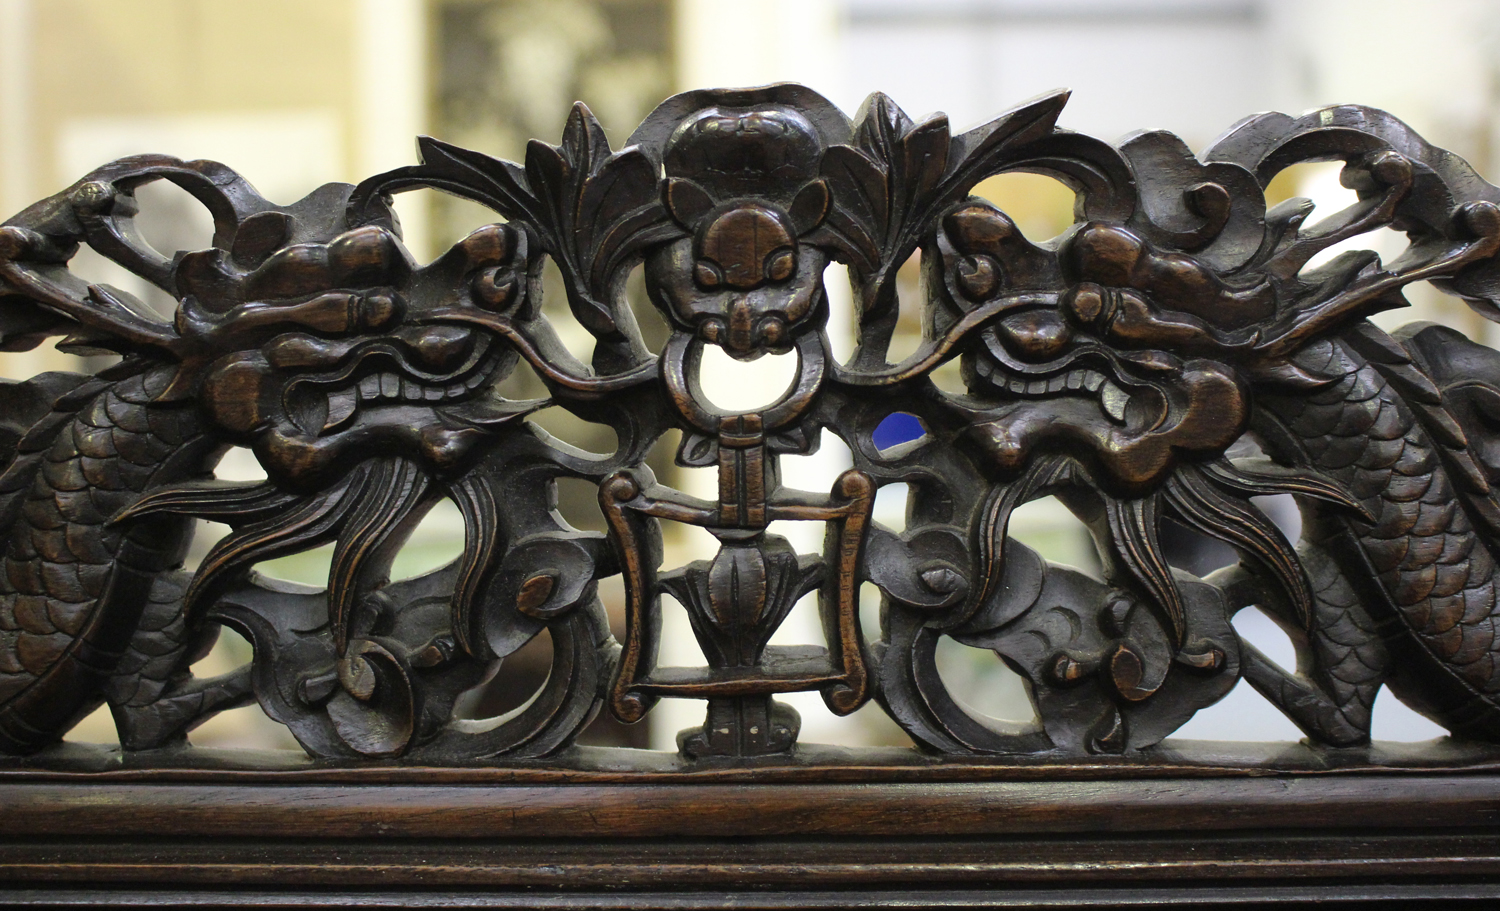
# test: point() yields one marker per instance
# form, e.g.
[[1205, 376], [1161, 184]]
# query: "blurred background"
[[294, 94]]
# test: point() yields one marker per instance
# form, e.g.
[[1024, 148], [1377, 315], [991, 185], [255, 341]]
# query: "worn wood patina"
[[1169, 357]]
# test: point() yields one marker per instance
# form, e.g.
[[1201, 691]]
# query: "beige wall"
[[97, 58], [292, 93]]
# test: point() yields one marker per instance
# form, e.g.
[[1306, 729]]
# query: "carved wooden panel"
[[1171, 356]]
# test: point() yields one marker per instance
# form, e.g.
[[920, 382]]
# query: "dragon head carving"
[[1114, 366], [1090, 370], [302, 334], [320, 354]]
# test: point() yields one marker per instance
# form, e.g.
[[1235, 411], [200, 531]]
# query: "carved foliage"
[[1123, 367]]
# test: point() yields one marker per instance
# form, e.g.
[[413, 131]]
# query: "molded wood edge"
[[1453, 803]]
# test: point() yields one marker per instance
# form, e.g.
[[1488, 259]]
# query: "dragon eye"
[[978, 277], [494, 288], [779, 264], [706, 274]]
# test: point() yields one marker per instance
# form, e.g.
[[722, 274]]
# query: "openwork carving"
[[1120, 367]]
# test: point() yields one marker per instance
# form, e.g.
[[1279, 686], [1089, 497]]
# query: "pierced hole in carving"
[[1243, 714], [685, 543], [612, 596], [521, 384], [578, 340], [229, 652], [1193, 551], [1282, 509], [1050, 528], [1429, 303], [516, 680], [890, 505], [948, 376], [805, 537], [23, 365], [1319, 182], [205, 535], [433, 221], [577, 501], [1387, 243], [309, 567], [868, 726], [247, 727], [1041, 206], [598, 440], [1258, 629], [701, 482], [436, 541], [243, 728], [1315, 180], [1393, 720], [816, 471], [869, 611], [898, 429], [983, 683], [679, 647], [802, 625], [97, 726], [653, 326], [742, 386], [841, 320], [1425, 297], [171, 220], [95, 269], [908, 335], [239, 464]]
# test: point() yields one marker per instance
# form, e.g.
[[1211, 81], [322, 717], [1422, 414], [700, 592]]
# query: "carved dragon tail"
[[1382, 429], [81, 600]]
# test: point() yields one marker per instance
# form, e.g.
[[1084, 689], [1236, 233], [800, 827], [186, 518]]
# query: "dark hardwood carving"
[[1120, 367]]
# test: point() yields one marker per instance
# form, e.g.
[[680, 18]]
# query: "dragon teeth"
[[340, 407], [1114, 399], [1092, 381], [369, 387], [1057, 383], [1075, 380], [390, 385], [410, 391]]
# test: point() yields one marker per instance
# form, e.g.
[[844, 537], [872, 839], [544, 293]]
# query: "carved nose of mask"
[[745, 333]]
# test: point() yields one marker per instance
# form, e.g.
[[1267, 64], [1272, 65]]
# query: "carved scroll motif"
[[1124, 367]]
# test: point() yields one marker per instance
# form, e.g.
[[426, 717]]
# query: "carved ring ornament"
[[1120, 367]]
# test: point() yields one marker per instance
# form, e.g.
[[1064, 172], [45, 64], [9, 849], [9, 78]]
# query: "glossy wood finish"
[[1114, 843], [1169, 358]]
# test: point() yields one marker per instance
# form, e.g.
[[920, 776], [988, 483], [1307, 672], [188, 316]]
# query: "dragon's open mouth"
[[381, 373], [406, 383], [1111, 397]]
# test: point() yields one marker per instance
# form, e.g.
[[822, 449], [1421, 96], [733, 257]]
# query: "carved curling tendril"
[[1120, 367]]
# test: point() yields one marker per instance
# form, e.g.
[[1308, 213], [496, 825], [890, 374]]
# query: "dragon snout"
[[437, 348]]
